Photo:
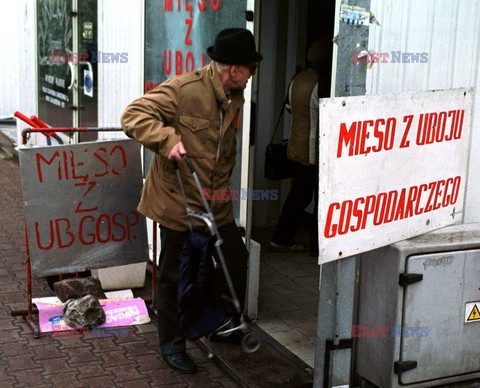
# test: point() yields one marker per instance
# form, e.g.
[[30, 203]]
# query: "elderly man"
[[193, 114]]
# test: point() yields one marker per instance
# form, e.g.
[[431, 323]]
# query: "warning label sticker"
[[472, 313]]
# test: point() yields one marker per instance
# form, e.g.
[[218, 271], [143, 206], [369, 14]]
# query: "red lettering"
[[357, 135], [459, 124], [390, 206], [432, 127], [73, 166], [345, 214], [188, 7], [80, 209], [369, 209], [405, 143], [66, 231], [123, 158], [380, 209], [454, 119], [429, 206], [167, 61], [378, 134], [131, 223], [390, 133], [189, 23], [81, 236], [102, 160], [331, 230], [178, 62], [446, 198], [202, 5], [356, 212], [400, 213], [103, 222], [365, 135], [455, 190], [412, 195], [189, 62], [438, 192], [421, 130], [442, 123], [422, 187], [37, 237], [40, 158], [120, 226], [215, 5], [347, 138]]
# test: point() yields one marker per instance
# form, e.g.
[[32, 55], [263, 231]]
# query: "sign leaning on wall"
[[80, 206], [391, 167]]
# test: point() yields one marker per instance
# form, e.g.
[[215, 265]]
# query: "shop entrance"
[[288, 290]]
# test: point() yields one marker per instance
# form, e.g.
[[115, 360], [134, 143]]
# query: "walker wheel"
[[250, 343]]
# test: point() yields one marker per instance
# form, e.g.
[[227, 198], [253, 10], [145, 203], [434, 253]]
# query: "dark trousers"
[[236, 257], [304, 188]]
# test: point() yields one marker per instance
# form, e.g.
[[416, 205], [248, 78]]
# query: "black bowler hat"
[[234, 46]]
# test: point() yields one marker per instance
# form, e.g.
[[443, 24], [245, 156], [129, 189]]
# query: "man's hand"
[[177, 153]]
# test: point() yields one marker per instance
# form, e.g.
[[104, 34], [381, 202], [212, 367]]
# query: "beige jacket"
[[194, 109], [303, 143]]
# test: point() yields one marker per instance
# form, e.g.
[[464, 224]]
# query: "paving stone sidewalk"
[[131, 361]]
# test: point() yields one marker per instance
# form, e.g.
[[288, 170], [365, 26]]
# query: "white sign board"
[[391, 167]]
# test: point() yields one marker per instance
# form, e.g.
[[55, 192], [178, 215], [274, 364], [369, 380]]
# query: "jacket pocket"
[[194, 132]]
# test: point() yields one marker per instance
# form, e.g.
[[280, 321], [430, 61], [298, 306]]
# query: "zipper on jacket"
[[220, 135]]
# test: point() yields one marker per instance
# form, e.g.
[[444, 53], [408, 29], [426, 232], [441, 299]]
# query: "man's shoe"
[[274, 247], [180, 362]]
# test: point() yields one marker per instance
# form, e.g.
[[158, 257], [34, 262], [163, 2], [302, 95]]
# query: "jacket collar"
[[222, 99]]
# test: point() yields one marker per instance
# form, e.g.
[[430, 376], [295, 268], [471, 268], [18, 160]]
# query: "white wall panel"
[[121, 29], [449, 31], [26, 62], [9, 73]]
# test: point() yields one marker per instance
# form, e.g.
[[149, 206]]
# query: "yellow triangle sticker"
[[474, 314]]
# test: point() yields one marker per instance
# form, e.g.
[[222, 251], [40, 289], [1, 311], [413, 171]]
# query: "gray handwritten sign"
[[80, 206]]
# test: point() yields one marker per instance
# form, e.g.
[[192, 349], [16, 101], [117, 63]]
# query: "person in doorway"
[[193, 114], [304, 91]]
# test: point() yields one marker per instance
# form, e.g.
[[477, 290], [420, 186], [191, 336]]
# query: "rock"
[[76, 288], [83, 312]]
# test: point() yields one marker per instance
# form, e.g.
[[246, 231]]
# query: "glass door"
[[177, 35], [66, 62]]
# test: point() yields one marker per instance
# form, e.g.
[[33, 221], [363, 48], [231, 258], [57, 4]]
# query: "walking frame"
[[250, 343]]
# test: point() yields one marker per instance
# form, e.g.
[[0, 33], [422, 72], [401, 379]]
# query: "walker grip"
[[189, 164]]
